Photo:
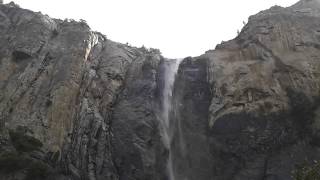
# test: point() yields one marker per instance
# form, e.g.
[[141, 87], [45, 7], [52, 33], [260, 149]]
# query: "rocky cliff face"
[[88, 100], [75, 105], [263, 88]]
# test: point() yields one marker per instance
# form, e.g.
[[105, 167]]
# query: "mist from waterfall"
[[170, 71]]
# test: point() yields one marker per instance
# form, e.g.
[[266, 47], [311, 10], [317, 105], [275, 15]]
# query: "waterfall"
[[170, 71]]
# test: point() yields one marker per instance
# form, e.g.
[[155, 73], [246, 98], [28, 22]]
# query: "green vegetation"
[[24, 142], [308, 172], [12, 162], [37, 170], [20, 160]]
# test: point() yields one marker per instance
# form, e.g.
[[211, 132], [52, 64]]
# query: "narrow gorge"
[[75, 105]]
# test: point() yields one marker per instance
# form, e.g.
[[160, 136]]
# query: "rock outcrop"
[[76, 105], [262, 118]]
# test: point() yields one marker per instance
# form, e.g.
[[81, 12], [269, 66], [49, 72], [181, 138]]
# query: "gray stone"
[[89, 106]]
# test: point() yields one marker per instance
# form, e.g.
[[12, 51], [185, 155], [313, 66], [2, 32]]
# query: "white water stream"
[[170, 71]]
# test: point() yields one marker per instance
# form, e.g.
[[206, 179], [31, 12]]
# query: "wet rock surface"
[[190, 145], [76, 105]]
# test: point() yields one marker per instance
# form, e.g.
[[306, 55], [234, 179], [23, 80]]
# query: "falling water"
[[170, 71]]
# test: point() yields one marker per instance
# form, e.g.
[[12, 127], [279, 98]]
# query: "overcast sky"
[[179, 28]]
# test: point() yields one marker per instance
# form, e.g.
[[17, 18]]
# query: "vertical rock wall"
[[75, 105]]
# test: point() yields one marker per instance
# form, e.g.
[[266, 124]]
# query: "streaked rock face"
[[66, 84], [264, 87], [75, 105]]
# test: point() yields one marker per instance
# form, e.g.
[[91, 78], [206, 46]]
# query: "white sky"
[[179, 28]]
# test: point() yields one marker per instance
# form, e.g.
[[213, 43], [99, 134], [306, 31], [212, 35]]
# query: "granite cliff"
[[76, 105]]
